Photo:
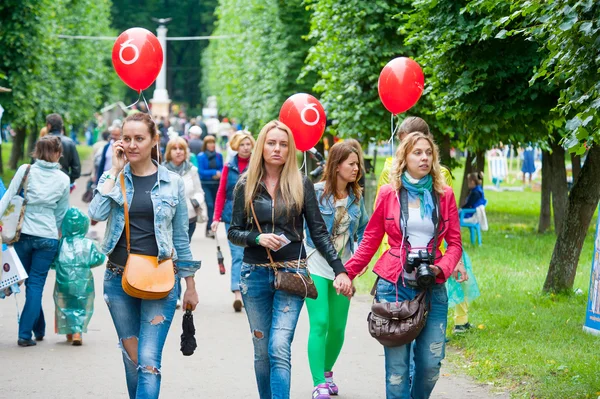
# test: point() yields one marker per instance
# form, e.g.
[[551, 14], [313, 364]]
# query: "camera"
[[421, 261]]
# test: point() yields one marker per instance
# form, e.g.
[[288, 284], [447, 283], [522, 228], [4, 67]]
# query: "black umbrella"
[[188, 340], [220, 259]]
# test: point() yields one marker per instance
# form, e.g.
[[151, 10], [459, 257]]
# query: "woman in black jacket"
[[276, 196]]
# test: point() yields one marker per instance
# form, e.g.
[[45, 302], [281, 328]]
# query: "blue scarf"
[[421, 189]]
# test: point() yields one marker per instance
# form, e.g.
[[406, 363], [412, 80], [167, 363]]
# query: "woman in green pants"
[[343, 209]]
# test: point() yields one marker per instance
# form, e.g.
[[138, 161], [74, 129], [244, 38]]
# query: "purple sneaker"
[[321, 391], [333, 389]]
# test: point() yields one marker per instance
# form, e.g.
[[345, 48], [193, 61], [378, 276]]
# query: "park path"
[[222, 365]]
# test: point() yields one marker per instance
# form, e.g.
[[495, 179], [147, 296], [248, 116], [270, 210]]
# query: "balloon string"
[[305, 165], [303, 162], [393, 131], [137, 101]]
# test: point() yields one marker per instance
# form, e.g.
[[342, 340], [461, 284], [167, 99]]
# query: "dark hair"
[[105, 135], [338, 153], [476, 177], [208, 139], [149, 122], [413, 124], [46, 148], [55, 121]]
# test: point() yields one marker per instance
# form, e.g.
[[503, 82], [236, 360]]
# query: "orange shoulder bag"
[[144, 276]]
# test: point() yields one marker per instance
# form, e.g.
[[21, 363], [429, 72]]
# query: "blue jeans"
[[273, 316], [210, 195], [149, 322], [237, 257], [36, 255], [429, 346]]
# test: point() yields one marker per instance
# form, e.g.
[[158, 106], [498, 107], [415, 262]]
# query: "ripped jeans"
[[429, 346], [273, 316], [149, 322]]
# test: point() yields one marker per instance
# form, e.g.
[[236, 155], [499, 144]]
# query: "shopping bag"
[[12, 269]]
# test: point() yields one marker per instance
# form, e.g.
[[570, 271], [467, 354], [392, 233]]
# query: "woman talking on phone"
[[158, 220], [272, 201]]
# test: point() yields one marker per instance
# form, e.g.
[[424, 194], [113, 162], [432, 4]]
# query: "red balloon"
[[400, 84], [137, 57], [305, 116]]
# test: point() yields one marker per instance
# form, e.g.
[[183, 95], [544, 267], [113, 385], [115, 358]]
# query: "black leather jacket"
[[69, 161], [243, 230]]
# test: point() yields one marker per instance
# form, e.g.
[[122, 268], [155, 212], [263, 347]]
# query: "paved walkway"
[[222, 365]]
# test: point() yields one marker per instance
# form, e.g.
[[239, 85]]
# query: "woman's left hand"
[[343, 285], [190, 297]]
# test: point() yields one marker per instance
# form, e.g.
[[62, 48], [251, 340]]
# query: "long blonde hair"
[[290, 180], [399, 166]]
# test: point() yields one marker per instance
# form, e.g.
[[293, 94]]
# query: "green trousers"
[[328, 315]]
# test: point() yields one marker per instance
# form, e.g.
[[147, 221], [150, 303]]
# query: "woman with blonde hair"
[[417, 210], [271, 204], [243, 143], [177, 156], [210, 165]]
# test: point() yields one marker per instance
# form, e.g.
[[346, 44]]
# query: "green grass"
[[84, 153], [525, 341]]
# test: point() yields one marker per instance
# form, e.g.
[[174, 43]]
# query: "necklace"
[[271, 183]]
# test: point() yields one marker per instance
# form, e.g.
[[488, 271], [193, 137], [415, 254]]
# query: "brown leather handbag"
[[291, 282], [397, 323], [144, 276]]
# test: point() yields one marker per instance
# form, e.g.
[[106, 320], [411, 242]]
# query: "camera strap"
[[435, 218]]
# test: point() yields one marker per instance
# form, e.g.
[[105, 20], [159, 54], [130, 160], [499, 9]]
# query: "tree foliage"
[[353, 41], [190, 18], [569, 31], [49, 74], [254, 72], [480, 81]]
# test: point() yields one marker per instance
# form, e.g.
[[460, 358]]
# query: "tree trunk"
[[33, 136], [17, 149], [464, 191], [444, 143], [480, 155], [581, 207], [575, 166], [558, 184], [545, 217]]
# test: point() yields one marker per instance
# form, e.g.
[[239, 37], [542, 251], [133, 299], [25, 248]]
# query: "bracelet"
[[257, 239], [113, 178]]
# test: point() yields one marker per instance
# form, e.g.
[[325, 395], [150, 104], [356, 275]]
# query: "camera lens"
[[425, 276]]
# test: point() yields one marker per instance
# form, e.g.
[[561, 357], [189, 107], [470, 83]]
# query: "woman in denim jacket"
[[159, 227], [343, 209], [47, 205]]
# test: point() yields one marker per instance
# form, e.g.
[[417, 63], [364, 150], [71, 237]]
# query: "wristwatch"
[[257, 240]]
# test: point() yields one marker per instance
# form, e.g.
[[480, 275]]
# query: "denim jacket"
[[357, 212], [170, 210], [47, 203]]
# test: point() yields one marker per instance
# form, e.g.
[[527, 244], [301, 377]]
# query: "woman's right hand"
[[271, 241], [118, 160]]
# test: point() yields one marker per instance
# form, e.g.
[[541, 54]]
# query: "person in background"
[[210, 165], [528, 166], [43, 132], [46, 207], [224, 132], [74, 288], [342, 206], [282, 201], [476, 196], [361, 161], [202, 125], [69, 161], [176, 161], [195, 142], [431, 216], [243, 143], [105, 163]]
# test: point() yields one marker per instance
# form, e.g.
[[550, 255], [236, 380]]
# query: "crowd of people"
[[152, 192]]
